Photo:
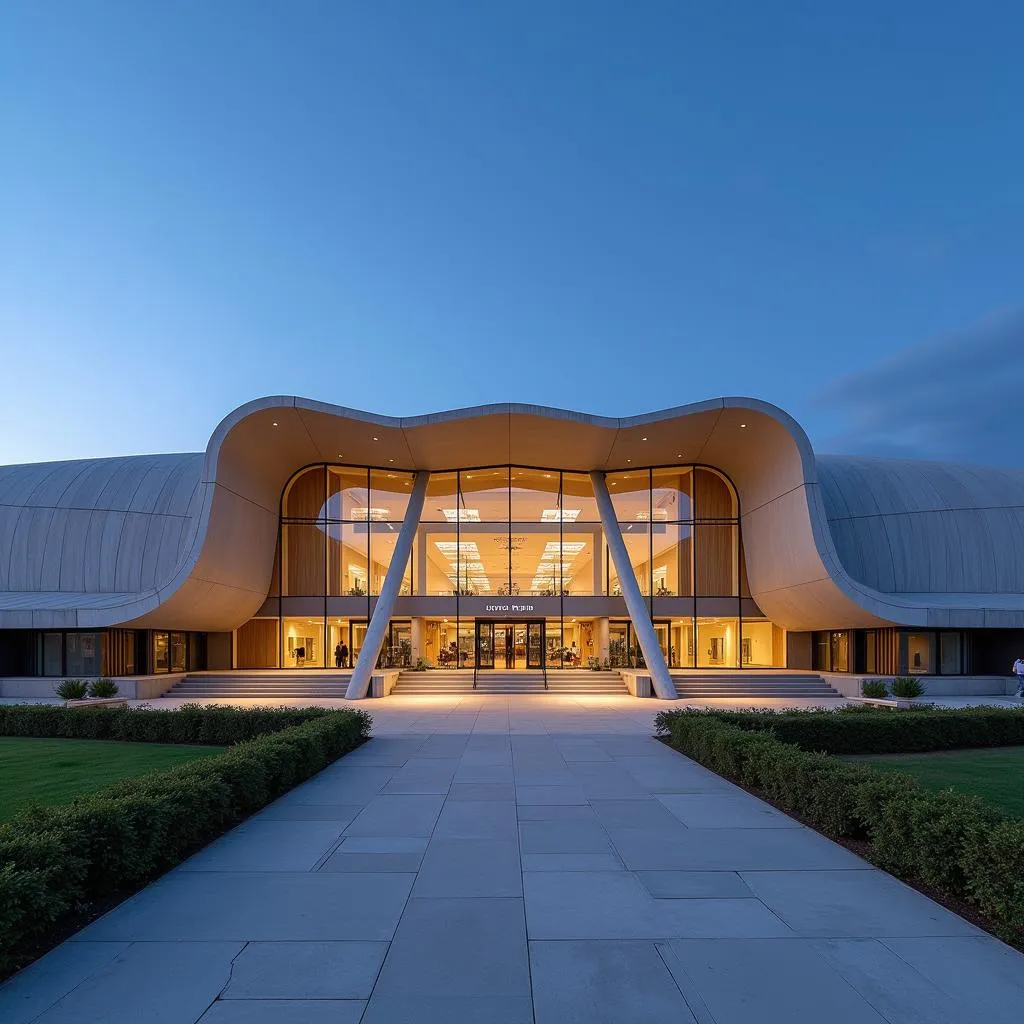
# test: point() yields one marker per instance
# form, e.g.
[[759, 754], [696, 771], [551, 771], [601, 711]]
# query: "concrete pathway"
[[515, 860]]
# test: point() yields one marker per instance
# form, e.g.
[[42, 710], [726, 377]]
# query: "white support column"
[[417, 638], [602, 639], [359, 683], [635, 604]]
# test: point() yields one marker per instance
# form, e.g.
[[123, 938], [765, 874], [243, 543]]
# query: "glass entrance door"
[[510, 645], [535, 645], [484, 644]]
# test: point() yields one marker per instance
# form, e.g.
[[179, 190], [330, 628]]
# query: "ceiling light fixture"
[[375, 439], [643, 438], [743, 425], [273, 424]]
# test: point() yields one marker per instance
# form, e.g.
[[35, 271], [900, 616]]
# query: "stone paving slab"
[[305, 970], [158, 982], [516, 861], [611, 982], [195, 906]]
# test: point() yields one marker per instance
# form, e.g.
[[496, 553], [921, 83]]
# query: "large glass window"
[[52, 654], [949, 654], [303, 642], [84, 654], [717, 642], [920, 653], [762, 644]]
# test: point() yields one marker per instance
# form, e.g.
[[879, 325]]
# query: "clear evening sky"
[[412, 205]]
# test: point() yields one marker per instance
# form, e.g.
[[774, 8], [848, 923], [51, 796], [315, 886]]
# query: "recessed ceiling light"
[[375, 439], [743, 424], [680, 455], [629, 460], [273, 424], [391, 460], [340, 456], [643, 438]]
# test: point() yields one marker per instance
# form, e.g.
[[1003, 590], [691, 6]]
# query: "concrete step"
[[507, 681]]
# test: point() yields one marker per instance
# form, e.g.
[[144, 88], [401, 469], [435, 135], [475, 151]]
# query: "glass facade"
[[500, 533]]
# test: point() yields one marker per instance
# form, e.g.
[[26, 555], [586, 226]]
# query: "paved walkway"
[[497, 861]]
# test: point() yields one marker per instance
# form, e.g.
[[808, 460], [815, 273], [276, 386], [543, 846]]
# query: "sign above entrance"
[[508, 608]]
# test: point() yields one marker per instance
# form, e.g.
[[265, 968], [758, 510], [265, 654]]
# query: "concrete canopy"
[[187, 541]]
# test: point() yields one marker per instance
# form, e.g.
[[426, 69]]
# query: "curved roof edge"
[[224, 565]]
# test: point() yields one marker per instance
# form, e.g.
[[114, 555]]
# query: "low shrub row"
[[873, 730], [55, 861], [956, 843], [213, 724]]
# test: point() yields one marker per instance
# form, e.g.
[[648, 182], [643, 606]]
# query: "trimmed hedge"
[[872, 730], [210, 725], [56, 860], [956, 843]]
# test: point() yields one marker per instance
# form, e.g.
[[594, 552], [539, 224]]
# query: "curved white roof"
[[187, 541]]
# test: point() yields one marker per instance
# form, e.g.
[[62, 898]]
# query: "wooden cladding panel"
[[713, 496], [306, 495], [305, 554], [715, 560], [256, 644]]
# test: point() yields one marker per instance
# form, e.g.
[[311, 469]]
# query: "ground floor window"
[[553, 642], [177, 651], [889, 652]]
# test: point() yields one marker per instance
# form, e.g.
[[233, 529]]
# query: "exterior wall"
[[186, 542], [926, 527]]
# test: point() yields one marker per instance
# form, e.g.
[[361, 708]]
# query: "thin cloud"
[[958, 398]]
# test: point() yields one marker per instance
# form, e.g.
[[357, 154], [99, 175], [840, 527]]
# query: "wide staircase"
[[506, 681], [254, 686], [750, 685]]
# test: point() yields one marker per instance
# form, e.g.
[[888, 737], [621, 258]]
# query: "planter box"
[[90, 702]]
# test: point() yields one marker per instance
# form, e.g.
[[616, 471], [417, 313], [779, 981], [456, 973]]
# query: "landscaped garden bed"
[[62, 863], [951, 844]]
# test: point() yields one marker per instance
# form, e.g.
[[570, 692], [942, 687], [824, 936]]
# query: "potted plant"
[[103, 689], [72, 689]]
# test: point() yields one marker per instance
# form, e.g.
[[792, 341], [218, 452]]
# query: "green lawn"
[[53, 771], [996, 774]]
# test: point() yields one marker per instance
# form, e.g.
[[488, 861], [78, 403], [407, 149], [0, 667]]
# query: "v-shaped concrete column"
[[635, 603], [360, 682]]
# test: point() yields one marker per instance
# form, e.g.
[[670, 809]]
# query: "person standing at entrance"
[[1018, 669], [344, 654], [337, 655]]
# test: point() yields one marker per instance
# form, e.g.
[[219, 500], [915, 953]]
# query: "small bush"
[[54, 860], [862, 729], [907, 687], [594, 664], [71, 689], [103, 688], [874, 688], [212, 725]]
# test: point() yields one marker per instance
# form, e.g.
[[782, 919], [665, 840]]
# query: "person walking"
[[344, 654], [337, 655], [1018, 668]]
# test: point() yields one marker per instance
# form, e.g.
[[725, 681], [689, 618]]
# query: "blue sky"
[[411, 206]]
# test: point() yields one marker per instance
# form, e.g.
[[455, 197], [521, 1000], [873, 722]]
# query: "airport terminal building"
[[509, 537]]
